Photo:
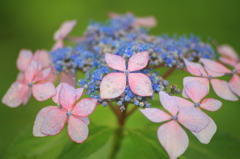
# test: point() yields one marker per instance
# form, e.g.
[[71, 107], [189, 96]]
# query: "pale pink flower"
[[229, 56], [196, 92], [221, 88], [34, 83], [216, 67], [148, 22], [51, 120], [171, 135], [62, 32], [114, 84]]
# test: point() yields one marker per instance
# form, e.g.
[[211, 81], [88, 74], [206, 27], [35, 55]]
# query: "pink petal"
[[69, 78], [235, 84], [58, 44], [115, 62], [146, 22], [140, 84], [214, 74], [64, 29], [237, 67], [223, 90], [77, 129], [20, 76], [85, 119], [67, 96], [15, 94], [39, 120], [31, 71], [214, 66], [195, 91], [42, 75], [53, 122], [112, 85], [113, 15], [56, 97], [84, 107], [138, 61], [193, 119], [43, 57], [155, 115], [228, 51], [173, 139], [195, 68], [206, 134], [43, 91], [24, 59], [227, 61], [186, 80], [79, 93], [28, 96], [211, 104], [168, 103], [182, 102]]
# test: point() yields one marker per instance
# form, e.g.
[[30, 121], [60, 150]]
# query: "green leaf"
[[146, 143], [97, 139], [222, 146], [27, 146]]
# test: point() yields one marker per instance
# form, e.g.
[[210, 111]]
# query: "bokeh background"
[[31, 24]]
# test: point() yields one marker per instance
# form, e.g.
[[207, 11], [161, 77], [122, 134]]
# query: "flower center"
[[126, 72], [196, 104], [30, 84], [68, 113], [209, 77], [175, 117]]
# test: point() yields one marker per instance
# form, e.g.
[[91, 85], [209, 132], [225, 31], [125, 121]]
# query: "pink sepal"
[[235, 84], [195, 68], [155, 115], [24, 59], [42, 75], [31, 71], [138, 61], [64, 29], [69, 78], [168, 103], [67, 96], [43, 91], [148, 22], [182, 102], [211, 104], [214, 66], [84, 107], [115, 62]]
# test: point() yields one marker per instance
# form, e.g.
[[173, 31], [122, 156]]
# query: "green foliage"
[[222, 146], [28, 146], [98, 137]]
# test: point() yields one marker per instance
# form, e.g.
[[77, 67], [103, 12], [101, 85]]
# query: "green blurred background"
[[31, 23]]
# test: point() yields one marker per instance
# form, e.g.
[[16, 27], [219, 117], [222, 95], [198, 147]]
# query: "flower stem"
[[168, 72]]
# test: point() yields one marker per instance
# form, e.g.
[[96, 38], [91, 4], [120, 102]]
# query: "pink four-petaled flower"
[[171, 135], [220, 87], [51, 120], [196, 92], [114, 84], [34, 82]]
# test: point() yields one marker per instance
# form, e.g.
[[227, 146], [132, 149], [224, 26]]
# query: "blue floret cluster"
[[121, 37]]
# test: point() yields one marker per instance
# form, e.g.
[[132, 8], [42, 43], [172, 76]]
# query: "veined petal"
[[58, 44], [182, 102], [211, 104], [155, 115], [222, 89], [43, 57], [195, 91], [138, 61], [77, 129], [193, 119], [115, 62], [79, 93], [69, 78], [206, 134], [31, 71], [237, 67], [168, 103], [228, 61], [15, 94], [24, 59], [84, 107], [67, 96], [214, 66], [28, 96], [214, 74], [39, 120], [53, 122], [228, 51], [56, 97], [235, 84], [64, 29], [173, 139], [112, 85], [140, 84], [195, 68], [42, 75], [43, 91], [85, 119]]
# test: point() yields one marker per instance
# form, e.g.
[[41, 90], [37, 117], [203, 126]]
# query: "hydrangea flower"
[[114, 84], [220, 87], [196, 92], [51, 120], [172, 137], [34, 83]]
